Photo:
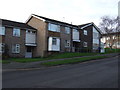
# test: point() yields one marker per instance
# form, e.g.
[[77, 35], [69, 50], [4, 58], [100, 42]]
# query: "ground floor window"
[[85, 44], [67, 43], [16, 48], [54, 44], [54, 41], [2, 47]]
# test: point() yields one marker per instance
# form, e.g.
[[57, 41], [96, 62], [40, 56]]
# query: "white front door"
[[28, 53]]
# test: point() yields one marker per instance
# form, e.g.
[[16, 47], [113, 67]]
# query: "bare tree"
[[109, 26]]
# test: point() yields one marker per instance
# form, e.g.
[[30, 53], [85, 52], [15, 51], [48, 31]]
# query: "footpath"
[[13, 66]]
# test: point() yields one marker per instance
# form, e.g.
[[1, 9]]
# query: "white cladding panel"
[[95, 36], [75, 35], [95, 39], [50, 43], [103, 39], [30, 38], [52, 47]]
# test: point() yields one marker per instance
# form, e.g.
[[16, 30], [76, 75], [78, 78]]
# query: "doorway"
[[28, 52]]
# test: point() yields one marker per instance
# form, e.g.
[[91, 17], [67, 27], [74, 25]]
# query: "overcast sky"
[[75, 11]]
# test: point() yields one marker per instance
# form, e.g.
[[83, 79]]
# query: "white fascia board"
[[35, 17], [28, 18], [30, 44], [76, 40], [39, 18], [85, 26], [97, 28]]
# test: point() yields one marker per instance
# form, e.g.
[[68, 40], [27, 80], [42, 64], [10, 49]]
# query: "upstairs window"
[[95, 35], [16, 32], [67, 43], [30, 31], [85, 44], [2, 30], [54, 41], [54, 27], [85, 32], [67, 30], [16, 48], [33, 32], [75, 30]]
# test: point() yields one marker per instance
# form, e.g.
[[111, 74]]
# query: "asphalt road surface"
[[92, 74]]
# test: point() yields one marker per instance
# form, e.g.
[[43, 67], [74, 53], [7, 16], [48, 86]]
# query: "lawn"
[[4, 61], [55, 56], [71, 61], [70, 55]]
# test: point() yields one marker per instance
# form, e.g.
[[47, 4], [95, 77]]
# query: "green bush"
[[109, 50]]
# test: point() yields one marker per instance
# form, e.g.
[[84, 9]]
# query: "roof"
[[114, 33], [48, 19], [16, 24], [82, 25], [89, 24]]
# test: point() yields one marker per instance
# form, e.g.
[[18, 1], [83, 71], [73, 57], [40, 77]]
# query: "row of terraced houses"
[[40, 36]]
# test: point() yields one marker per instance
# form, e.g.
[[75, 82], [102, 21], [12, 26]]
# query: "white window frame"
[[2, 47], [2, 30], [53, 27], [85, 44], [85, 32], [67, 30], [16, 48], [67, 43], [16, 30]]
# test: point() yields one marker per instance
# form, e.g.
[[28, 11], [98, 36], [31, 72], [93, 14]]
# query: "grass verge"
[[71, 61], [55, 56], [4, 61]]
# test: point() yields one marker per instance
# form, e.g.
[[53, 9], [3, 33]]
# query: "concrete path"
[[17, 65]]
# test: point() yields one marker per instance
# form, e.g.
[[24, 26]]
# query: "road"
[[92, 74]]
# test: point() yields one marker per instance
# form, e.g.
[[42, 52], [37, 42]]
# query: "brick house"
[[53, 35], [59, 36], [18, 39], [41, 36], [112, 39], [90, 37]]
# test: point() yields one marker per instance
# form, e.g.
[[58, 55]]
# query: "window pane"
[[95, 35], [2, 30], [53, 27], [85, 32], [16, 48], [2, 47], [54, 41], [67, 30], [75, 30], [85, 44], [16, 32], [67, 43]]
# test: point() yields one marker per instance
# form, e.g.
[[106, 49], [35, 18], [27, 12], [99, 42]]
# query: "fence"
[[84, 50]]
